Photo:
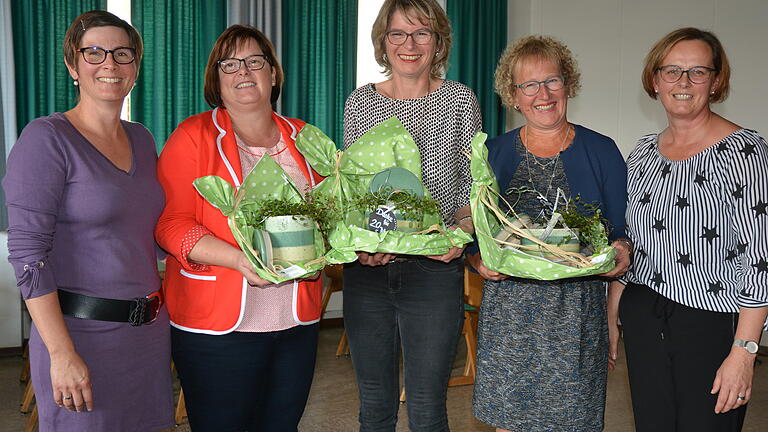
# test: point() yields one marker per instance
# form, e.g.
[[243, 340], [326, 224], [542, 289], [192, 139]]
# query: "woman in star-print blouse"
[[697, 295]]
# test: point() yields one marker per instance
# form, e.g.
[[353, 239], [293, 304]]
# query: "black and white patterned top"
[[700, 225], [442, 123]]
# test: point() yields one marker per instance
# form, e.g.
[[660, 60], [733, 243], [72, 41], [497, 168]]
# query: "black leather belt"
[[137, 311]]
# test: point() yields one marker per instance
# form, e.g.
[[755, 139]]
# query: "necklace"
[[544, 198]]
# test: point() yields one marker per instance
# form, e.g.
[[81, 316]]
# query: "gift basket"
[[572, 240], [376, 186], [278, 230]]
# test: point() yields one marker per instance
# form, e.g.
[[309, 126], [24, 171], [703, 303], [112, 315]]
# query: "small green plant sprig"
[[588, 220], [410, 205], [319, 208]]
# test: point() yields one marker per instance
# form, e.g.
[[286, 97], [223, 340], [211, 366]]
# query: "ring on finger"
[[67, 397], [741, 398]]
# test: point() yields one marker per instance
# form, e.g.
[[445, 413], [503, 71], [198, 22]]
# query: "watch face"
[[751, 347]]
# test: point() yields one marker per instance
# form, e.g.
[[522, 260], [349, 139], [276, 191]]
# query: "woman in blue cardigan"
[[543, 345]]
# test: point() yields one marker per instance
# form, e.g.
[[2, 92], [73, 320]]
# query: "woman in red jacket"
[[244, 348]]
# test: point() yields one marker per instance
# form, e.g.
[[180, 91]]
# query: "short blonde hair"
[[425, 11], [535, 47], [664, 46]]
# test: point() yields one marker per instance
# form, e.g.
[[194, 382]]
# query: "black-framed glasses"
[[252, 62], [97, 55], [696, 74], [530, 88], [420, 37]]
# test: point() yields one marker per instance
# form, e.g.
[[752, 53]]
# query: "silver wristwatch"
[[750, 346]]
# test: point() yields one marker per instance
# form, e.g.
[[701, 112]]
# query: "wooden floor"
[[333, 401]]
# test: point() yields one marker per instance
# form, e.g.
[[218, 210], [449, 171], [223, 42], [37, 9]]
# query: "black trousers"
[[237, 382], [673, 353]]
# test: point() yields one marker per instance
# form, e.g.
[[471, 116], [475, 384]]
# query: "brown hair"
[[664, 46], [98, 18], [425, 11], [225, 46], [535, 47]]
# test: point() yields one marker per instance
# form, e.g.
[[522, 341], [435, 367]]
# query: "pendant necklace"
[[545, 197]]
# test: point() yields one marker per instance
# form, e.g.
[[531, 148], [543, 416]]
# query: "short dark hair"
[[98, 18], [225, 46], [664, 46]]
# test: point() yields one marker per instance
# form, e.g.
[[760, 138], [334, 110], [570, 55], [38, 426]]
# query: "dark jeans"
[[673, 353], [417, 303], [244, 381]]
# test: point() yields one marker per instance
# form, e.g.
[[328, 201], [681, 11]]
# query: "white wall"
[[610, 39], [10, 300]]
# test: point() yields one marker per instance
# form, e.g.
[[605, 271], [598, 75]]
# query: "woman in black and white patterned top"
[[697, 295], [415, 301]]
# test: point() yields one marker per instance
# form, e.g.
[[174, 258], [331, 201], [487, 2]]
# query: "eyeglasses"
[[97, 55], [252, 62], [420, 37], [696, 74], [532, 87]]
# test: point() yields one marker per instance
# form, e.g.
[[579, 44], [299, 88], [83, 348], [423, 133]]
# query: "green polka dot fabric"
[[267, 180], [514, 262], [349, 174]]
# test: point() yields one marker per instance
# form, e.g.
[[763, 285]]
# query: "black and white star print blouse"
[[700, 225], [442, 124]]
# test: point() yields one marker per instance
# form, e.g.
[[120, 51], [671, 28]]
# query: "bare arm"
[[733, 381], [212, 251], [70, 378], [615, 289]]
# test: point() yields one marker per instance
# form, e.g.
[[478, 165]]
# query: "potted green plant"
[[285, 230], [404, 210]]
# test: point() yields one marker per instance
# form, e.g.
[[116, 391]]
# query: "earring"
[[712, 92], [437, 53], [516, 107], [75, 83], [656, 91]]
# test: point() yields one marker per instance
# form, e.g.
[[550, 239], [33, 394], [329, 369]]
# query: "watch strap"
[[748, 345]]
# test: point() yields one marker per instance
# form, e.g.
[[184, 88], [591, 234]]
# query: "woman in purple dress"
[[82, 201]]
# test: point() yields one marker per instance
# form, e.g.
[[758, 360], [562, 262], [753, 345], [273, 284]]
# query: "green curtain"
[[178, 36], [319, 47], [479, 38], [43, 84]]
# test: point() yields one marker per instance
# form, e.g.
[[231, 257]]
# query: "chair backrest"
[[473, 287]]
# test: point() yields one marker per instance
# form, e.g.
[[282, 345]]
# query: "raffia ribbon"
[[485, 196]]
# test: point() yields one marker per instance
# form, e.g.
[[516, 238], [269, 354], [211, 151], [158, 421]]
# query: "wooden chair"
[[473, 295], [31, 425], [27, 405], [181, 409], [335, 275]]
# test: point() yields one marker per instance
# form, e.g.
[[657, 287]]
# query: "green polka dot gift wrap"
[[348, 175], [505, 258], [280, 256]]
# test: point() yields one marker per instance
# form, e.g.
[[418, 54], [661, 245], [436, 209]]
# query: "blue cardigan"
[[593, 165]]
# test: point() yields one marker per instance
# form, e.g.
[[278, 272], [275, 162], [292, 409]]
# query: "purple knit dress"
[[91, 225]]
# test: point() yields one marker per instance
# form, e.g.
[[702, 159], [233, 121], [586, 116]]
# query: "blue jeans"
[[243, 381], [416, 302]]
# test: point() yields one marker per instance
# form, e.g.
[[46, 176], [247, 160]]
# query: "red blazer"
[[212, 301]]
